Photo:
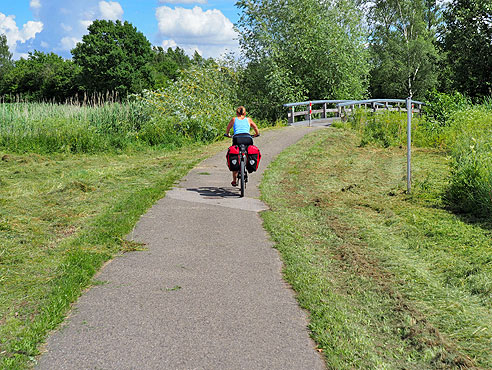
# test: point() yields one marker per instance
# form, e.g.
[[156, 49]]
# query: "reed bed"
[[50, 127]]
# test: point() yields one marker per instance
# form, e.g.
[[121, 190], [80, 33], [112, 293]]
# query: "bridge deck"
[[316, 122]]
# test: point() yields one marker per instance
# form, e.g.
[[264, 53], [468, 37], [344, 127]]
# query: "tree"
[[467, 43], [42, 77], [301, 49], [5, 54], [5, 61], [403, 53], [114, 56], [167, 65]]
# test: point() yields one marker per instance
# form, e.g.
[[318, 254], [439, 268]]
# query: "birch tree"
[[403, 52]]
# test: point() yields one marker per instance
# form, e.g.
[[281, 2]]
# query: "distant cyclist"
[[242, 126]]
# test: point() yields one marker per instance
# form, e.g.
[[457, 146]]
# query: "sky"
[[56, 26]]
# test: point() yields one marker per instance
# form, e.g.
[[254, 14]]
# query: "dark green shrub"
[[440, 106]]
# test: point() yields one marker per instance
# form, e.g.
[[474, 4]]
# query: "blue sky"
[[57, 25]]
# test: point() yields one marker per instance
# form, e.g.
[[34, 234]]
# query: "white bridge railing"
[[292, 114], [341, 108]]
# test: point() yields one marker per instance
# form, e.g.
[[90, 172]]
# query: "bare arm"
[[229, 126], [252, 124]]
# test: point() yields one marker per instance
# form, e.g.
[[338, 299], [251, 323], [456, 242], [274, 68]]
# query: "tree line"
[[113, 57], [291, 50]]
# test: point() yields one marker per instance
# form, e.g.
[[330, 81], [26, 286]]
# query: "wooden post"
[[310, 112], [324, 110], [339, 111], [291, 118]]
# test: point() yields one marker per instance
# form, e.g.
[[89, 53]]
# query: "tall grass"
[[195, 108], [49, 127], [470, 188]]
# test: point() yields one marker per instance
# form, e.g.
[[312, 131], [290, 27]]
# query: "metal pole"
[[409, 144]]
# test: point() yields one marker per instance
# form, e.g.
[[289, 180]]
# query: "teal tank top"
[[241, 126]]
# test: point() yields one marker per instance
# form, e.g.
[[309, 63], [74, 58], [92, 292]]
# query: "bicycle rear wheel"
[[242, 179]]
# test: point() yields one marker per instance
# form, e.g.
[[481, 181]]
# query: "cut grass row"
[[61, 217], [389, 280]]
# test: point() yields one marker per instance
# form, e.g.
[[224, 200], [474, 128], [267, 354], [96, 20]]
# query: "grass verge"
[[390, 280], [61, 217]]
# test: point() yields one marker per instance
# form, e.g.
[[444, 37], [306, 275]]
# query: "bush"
[[197, 106], [441, 106], [470, 188]]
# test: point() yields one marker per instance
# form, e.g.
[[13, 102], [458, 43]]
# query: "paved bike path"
[[207, 294]]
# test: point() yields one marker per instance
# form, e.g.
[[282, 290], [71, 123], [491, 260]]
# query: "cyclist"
[[242, 125]]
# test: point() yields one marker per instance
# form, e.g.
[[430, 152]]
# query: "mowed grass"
[[390, 280], [61, 217]]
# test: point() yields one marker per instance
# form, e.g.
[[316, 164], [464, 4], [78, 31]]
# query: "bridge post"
[[324, 110], [310, 112], [291, 117]]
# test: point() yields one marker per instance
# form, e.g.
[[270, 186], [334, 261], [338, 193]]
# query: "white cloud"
[[66, 27], [8, 26], [68, 43], [30, 29], [35, 4], [195, 29], [85, 23], [44, 44], [111, 10], [168, 44], [183, 1], [209, 26]]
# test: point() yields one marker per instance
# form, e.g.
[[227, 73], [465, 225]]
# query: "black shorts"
[[245, 139]]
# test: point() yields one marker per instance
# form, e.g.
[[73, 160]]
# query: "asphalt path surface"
[[206, 294]]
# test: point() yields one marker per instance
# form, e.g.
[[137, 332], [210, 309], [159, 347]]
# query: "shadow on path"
[[214, 192]]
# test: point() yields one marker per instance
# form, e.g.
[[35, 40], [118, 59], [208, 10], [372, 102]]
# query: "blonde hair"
[[241, 111]]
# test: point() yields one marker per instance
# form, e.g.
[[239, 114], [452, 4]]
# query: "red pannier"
[[232, 157], [253, 159]]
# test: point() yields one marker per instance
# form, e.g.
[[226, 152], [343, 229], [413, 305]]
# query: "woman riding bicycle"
[[242, 126]]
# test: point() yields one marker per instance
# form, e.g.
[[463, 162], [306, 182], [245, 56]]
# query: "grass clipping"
[[61, 217], [389, 280]]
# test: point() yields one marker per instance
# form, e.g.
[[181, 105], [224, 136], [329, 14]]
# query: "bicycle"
[[242, 173]]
